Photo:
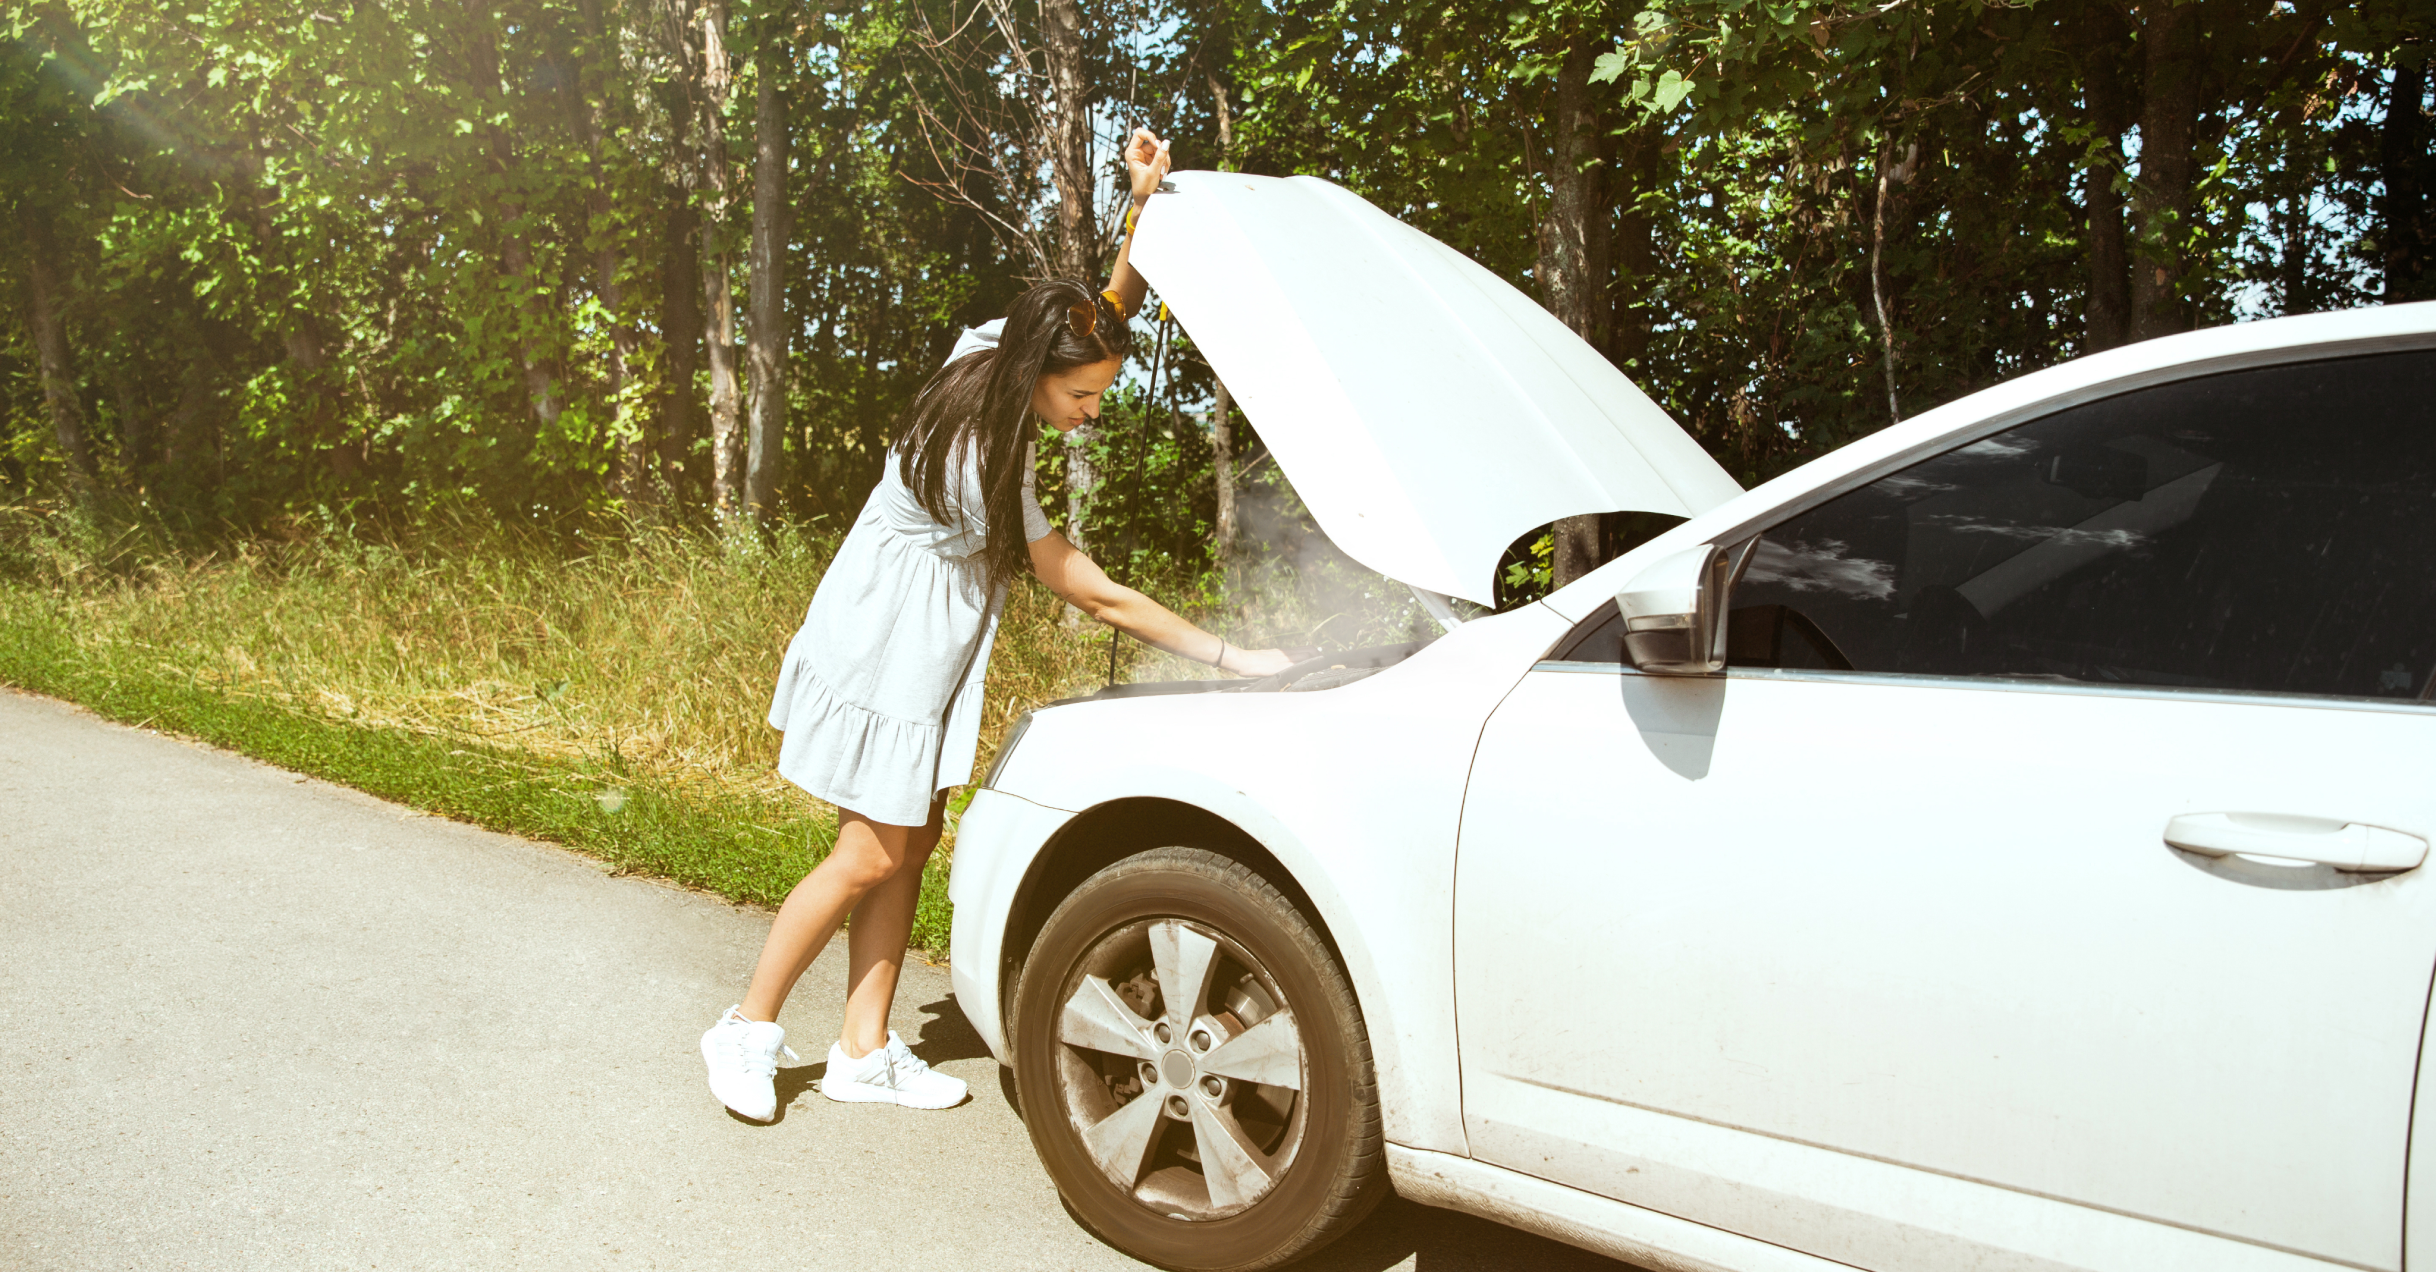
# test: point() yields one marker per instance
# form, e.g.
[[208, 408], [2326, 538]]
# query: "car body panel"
[[1380, 871], [1813, 930], [1815, 1199], [996, 840], [1613, 1228], [1426, 411]]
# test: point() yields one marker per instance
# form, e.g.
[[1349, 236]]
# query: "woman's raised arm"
[[1146, 164], [1079, 581]]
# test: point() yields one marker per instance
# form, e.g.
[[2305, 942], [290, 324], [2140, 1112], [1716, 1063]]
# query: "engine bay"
[[1327, 671]]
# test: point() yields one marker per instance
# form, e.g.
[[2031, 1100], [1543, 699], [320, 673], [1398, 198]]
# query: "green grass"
[[745, 846], [605, 692]]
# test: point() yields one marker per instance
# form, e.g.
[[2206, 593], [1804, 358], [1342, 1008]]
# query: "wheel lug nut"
[[1201, 1040], [1213, 1087], [1160, 1031], [1150, 1074], [1176, 1108]]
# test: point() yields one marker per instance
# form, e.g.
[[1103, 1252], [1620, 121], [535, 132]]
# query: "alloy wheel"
[[1181, 1066]]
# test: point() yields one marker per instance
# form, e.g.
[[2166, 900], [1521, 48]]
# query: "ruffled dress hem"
[[854, 757]]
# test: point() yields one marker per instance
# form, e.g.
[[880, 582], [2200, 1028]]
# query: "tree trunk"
[[188, 442], [681, 336], [2408, 235], [1222, 470], [185, 444], [632, 476], [303, 343], [2106, 314], [1888, 174], [1061, 34], [189, 435], [139, 441], [1226, 119], [2161, 195], [533, 312], [1572, 264], [1222, 427], [629, 476], [1061, 30], [51, 350], [766, 325], [718, 290], [1635, 249], [535, 357], [1082, 482]]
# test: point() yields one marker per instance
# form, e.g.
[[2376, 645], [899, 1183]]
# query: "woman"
[[880, 696]]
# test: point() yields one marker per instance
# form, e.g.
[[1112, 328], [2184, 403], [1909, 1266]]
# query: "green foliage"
[[410, 254], [1533, 569]]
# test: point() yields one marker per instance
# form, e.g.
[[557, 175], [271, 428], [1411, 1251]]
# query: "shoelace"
[[752, 1062], [898, 1054]]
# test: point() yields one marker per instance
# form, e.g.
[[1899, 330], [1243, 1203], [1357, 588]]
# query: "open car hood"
[[1428, 413]]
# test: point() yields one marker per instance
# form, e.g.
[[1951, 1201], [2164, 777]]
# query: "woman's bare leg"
[[868, 854], [875, 941]]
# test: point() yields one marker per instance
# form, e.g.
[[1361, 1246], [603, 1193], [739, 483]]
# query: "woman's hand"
[[1079, 582], [1255, 662], [1146, 164]]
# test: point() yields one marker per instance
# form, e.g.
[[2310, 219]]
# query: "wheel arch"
[[1107, 833]]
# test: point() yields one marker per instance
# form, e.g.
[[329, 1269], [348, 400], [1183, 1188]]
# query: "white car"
[[1993, 845]]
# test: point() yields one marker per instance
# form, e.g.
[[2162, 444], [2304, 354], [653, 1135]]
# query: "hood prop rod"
[[1133, 491]]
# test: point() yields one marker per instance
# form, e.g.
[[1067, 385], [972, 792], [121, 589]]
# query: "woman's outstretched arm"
[[1080, 582]]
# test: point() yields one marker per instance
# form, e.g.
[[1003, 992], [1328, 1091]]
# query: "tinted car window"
[[2266, 530]]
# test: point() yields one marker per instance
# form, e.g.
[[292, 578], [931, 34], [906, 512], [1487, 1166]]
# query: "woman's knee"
[[869, 853], [862, 867]]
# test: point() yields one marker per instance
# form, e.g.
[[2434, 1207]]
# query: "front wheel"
[[1194, 1067]]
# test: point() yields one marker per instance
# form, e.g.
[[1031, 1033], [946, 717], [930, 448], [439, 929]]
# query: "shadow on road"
[[1400, 1234], [791, 1084], [1443, 1241], [945, 1035], [1432, 1240]]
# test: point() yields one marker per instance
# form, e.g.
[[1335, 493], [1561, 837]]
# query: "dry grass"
[[651, 650], [654, 648]]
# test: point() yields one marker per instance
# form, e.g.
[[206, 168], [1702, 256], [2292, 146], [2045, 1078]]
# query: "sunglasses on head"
[[1083, 319]]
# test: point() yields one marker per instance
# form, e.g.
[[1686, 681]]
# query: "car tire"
[[1264, 1142]]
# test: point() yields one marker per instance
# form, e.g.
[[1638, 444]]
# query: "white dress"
[[880, 695]]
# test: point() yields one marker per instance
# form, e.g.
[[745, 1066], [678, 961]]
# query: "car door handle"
[[2343, 845]]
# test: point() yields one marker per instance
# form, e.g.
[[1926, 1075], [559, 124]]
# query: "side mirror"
[[1674, 613]]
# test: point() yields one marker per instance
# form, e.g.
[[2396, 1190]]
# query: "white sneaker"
[[743, 1057], [890, 1075]]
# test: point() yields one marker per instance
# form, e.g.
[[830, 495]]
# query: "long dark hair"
[[982, 401]]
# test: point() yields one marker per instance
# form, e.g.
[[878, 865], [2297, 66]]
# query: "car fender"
[[1355, 792]]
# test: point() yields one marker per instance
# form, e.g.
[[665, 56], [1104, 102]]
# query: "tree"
[[441, 250], [718, 284], [2406, 236], [766, 324], [44, 298]]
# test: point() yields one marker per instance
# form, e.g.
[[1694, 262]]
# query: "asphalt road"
[[250, 1020]]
